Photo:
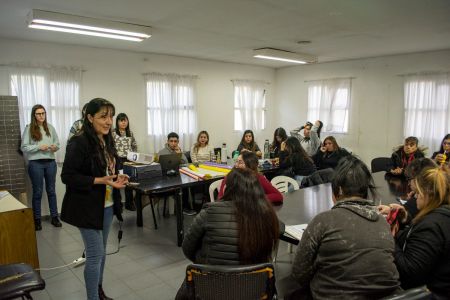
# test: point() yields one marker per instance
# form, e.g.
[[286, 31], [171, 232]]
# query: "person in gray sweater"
[[172, 146], [310, 140], [348, 251]]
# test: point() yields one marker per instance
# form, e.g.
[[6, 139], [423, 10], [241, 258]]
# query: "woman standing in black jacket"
[[329, 155], [89, 172], [422, 252]]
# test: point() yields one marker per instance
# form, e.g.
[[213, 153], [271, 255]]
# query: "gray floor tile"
[[142, 280], [161, 291]]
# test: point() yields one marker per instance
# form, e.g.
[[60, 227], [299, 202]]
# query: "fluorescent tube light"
[[282, 55], [87, 26]]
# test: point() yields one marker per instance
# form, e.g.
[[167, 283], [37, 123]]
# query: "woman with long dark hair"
[[443, 155], [422, 253], [347, 252], [329, 154], [248, 160], [294, 161], [90, 174], [39, 143], [248, 143], [240, 229], [201, 150], [279, 136], [125, 142]]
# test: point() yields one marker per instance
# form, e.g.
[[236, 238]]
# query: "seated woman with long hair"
[[279, 136], [348, 251], [294, 161], [248, 160], [422, 252], [248, 144], [201, 150], [239, 230], [443, 155], [329, 154]]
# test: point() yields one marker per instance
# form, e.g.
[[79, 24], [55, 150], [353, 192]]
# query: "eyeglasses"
[[40, 114]]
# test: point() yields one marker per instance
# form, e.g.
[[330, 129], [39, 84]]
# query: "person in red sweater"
[[250, 160]]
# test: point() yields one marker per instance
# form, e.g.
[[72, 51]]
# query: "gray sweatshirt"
[[310, 144]]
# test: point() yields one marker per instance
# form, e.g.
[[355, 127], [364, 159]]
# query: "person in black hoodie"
[[422, 253], [405, 154], [329, 154]]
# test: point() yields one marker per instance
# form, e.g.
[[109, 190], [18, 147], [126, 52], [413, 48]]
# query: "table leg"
[[138, 201], [179, 213]]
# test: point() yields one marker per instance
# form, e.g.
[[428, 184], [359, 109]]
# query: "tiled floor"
[[148, 266]]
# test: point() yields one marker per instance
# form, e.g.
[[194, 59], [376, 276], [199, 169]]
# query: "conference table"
[[299, 207]]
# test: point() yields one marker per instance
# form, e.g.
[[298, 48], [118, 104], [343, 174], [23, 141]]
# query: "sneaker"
[[55, 222], [189, 212], [37, 225]]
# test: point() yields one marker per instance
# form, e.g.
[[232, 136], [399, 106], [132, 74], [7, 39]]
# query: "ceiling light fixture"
[[47, 20], [282, 55]]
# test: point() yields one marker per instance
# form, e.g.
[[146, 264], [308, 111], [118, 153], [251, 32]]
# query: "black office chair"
[[188, 156], [318, 177], [19, 280], [230, 282], [380, 164], [420, 293]]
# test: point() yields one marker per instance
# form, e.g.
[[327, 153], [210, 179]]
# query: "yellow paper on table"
[[193, 168], [217, 169]]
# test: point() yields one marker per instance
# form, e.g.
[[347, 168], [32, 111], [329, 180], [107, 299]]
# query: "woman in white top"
[[200, 151]]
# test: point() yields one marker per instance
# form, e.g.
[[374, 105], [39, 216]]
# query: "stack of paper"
[[296, 230]]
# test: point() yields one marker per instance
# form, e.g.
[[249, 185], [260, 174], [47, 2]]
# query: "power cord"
[[119, 238]]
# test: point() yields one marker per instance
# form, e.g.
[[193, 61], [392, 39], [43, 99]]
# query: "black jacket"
[[83, 204], [422, 252], [295, 164], [399, 158], [329, 159], [213, 236]]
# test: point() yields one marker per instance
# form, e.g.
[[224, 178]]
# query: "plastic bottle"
[[266, 149], [444, 158], [224, 154], [212, 156]]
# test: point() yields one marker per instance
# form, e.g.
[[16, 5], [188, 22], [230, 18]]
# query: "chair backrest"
[[379, 164], [188, 156], [231, 282], [214, 186], [420, 293], [281, 183]]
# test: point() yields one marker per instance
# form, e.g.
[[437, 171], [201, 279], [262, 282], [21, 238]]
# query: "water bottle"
[[212, 156], [224, 154], [266, 149]]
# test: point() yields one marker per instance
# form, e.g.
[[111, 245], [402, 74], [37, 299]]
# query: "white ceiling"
[[228, 30]]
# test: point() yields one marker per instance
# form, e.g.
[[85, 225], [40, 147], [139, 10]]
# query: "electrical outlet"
[[79, 261]]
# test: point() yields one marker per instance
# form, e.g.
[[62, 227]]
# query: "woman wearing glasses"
[[39, 143], [329, 155], [443, 155]]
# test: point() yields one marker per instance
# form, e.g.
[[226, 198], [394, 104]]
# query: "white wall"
[[376, 117], [117, 76]]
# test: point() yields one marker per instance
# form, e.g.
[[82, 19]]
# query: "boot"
[[37, 225], [55, 222], [101, 294]]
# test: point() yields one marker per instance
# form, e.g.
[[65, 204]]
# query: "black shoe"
[[101, 294], [130, 206], [37, 225], [55, 222]]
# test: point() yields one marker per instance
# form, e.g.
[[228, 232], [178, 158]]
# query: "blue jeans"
[[38, 170], [95, 247]]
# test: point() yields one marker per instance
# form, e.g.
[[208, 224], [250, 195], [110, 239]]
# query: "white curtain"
[[57, 89], [171, 106], [427, 108], [249, 105], [329, 101]]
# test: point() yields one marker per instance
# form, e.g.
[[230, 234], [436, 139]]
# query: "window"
[[249, 105], [57, 89], [171, 107], [427, 108], [329, 101]]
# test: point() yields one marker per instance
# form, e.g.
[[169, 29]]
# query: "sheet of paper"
[[296, 230]]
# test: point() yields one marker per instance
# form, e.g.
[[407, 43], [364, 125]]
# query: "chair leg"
[[164, 207], [153, 213]]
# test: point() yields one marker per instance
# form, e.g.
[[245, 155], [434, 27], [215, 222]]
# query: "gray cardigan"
[[310, 144]]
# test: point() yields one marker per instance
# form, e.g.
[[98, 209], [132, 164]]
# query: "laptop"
[[170, 163]]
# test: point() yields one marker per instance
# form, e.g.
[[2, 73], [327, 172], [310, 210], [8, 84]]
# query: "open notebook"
[[296, 230]]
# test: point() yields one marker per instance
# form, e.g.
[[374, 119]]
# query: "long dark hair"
[[252, 145], [93, 107], [251, 160], [446, 137], [332, 139], [120, 117], [282, 134], [352, 178], [294, 147], [319, 128], [35, 132], [197, 144], [257, 221]]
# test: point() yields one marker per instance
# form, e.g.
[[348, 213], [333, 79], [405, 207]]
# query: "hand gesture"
[[43, 147], [317, 123], [121, 182], [323, 149], [397, 171], [53, 148], [283, 146], [178, 149]]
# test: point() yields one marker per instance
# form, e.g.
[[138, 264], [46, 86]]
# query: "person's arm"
[[296, 133], [307, 250], [423, 248], [26, 145], [258, 151], [314, 137], [273, 195], [284, 160], [194, 155], [193, 238]]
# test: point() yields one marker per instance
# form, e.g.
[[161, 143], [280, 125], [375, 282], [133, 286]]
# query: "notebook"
[[296, 230]]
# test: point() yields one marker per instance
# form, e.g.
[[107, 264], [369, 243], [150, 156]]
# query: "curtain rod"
[[40, 67], [312, 80], [424, 73], [171, 74], [254, 80]]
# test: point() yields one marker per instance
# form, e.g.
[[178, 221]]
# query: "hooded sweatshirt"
[[347, 253], [167, 150]]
